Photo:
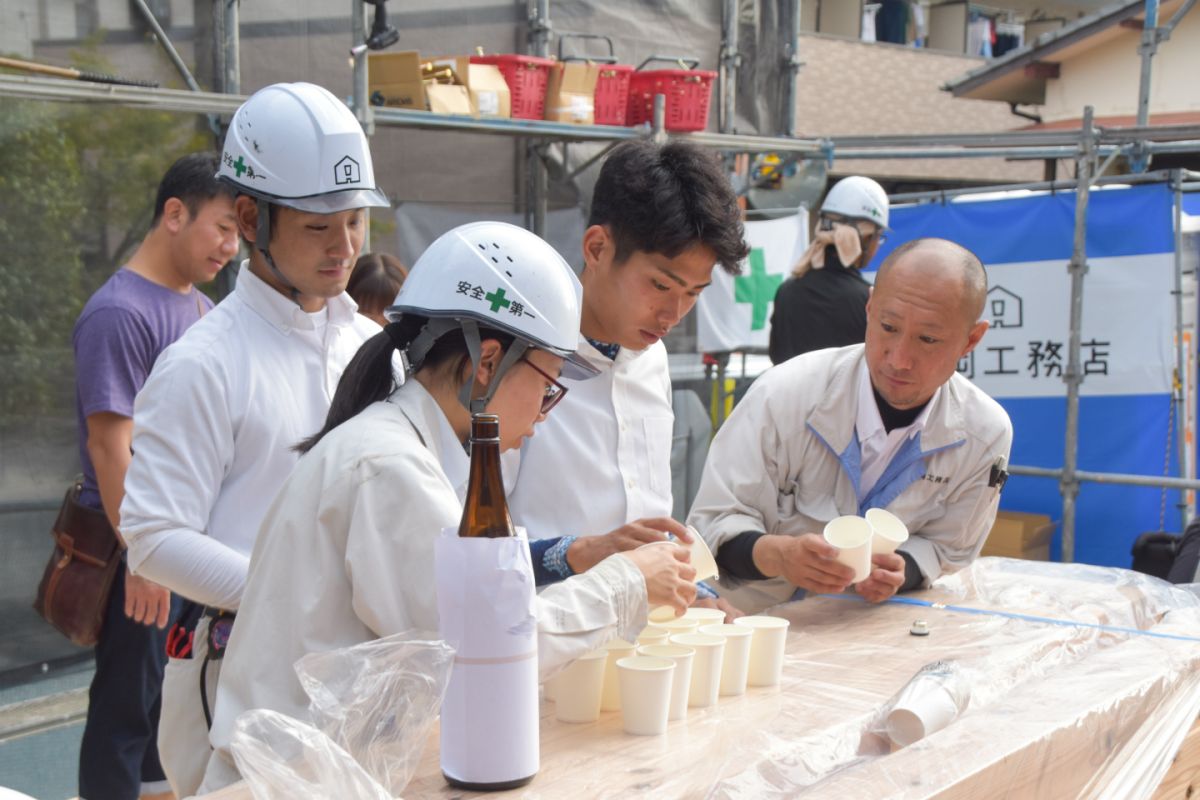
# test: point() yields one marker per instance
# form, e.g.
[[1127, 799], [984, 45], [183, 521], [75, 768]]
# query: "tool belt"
[[74, 591]]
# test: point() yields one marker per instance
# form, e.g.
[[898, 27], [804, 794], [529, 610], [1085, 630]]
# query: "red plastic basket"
[[526, 77], [687, 92], [612, 94]]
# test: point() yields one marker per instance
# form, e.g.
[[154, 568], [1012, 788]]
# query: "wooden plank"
[[1183, 779]]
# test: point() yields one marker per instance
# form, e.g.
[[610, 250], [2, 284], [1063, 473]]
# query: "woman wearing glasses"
[[486, 320]]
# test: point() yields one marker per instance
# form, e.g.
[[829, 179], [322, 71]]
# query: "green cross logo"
[[497, 299], [758, 288], [239, 166]]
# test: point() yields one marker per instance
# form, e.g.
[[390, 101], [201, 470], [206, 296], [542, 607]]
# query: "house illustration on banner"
[[1004, 309]]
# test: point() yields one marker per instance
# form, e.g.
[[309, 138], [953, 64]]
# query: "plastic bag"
[[285, 759], [377, 700]]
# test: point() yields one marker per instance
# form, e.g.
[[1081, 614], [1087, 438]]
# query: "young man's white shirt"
[[214, 428], [213, 432], [365, 507], [602, 457]]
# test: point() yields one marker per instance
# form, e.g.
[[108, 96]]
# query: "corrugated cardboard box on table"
[[394, 80], [571, 92], [489, 93], [1016, 534]]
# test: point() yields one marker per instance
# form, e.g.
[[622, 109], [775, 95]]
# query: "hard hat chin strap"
[[263, 242], [513, 354]]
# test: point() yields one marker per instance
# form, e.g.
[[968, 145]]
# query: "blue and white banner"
[[1128, 354]]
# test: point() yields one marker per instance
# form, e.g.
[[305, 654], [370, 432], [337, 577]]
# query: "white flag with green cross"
[[734, 313]]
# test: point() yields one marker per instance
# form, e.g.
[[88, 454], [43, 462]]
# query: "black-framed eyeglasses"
[[555, 392]]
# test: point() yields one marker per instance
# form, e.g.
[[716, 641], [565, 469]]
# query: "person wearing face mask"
[[824, 301], [885, 424], [214, 426], [487, 321]]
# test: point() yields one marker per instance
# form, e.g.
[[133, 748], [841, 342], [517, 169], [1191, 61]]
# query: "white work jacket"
[[602, 457], [787, 461], [346, 555], [213, 431]]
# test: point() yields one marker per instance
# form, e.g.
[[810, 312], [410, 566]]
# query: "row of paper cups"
[[676, 664], [859, 538]]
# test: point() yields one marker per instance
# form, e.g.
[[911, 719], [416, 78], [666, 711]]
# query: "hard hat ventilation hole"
[[483, 246], [510, 260], [495, 260], [509, 274]]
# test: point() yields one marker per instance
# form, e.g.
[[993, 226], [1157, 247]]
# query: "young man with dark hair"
[[144, 307], [598, 473]]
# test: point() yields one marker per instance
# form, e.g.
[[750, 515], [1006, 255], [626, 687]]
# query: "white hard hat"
[[858, 197], [502, 277], [296, 145]]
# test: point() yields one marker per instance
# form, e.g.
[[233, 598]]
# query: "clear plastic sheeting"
[[1075, 682], [379, 699], [285, 759], [371, 708], [1077, 688]]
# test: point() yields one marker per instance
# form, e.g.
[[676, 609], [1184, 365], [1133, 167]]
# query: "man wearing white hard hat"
[[824, 302], [215, 425]]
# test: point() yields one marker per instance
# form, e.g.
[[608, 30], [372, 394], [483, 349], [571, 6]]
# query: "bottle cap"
[[919, 628]]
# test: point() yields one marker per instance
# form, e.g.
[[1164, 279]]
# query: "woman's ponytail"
[[369, 377]]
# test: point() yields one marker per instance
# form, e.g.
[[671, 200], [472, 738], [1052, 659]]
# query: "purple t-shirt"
[[117, 338]]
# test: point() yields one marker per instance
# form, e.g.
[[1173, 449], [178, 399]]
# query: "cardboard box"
[[571, 92], [448, 98], [394, 80], [489, 93], [1016, 534]]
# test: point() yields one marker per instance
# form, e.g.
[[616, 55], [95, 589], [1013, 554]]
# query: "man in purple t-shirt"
[[126, 324]]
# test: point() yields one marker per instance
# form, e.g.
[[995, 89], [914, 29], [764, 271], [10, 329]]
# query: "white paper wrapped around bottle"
[[485, 597]]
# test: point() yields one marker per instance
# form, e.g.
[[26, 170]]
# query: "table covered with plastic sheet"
[[1081, 682]]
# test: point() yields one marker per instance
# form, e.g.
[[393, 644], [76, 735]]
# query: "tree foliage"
[[77, 186]]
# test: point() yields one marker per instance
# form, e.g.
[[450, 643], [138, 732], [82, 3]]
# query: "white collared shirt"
[[878, 444], [214, 428], [347, 555], [602, 457]]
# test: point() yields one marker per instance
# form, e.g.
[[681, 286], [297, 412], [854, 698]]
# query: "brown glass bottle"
[[485, 514], [485, 511]]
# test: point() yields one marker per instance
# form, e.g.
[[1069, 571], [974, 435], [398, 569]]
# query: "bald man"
[[886, 424]]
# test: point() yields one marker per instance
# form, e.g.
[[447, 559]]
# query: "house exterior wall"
[[1107, 76]]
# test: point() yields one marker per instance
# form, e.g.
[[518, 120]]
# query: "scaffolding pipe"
[[793, 64], [1086, 476], [1072, 376], [358, 60], [974, 152], [231, 59], [727, 100], [535, 152], [1035, 186], [1177, 386]]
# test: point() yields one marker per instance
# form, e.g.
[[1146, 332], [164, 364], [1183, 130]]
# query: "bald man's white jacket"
[[787, 461]]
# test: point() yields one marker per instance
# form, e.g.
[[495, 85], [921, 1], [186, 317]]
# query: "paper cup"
[[682, 682], [702, 557], [653, 634], [548, 688], [577, 688], [706, 666], [646, 693], [889, 531], [735, 666], [681, 625], [705, 616], [610, 698], [660, 614], [766, 649], [852, 537], [920, 714]]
